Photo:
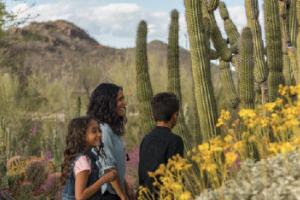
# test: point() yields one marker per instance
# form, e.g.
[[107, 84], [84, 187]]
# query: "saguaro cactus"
[[144, 88], [219, 43], [287, 70], [174, 76], [246, 76], [260, 68], [206, 103], [230, 28], [228, 84], [274, 47]]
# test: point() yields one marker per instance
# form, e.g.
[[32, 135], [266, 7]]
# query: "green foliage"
[[36, 172]]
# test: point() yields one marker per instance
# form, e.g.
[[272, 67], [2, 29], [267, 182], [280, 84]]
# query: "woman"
[[108, 105]]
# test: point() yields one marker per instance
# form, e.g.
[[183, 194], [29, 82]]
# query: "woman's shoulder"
[[105, 127]]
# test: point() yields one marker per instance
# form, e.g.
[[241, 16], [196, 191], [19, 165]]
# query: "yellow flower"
[[203, 147], [269, 106], [247, 113], [185, 196], [286, 148], [175, 186], [211, 168], [230, 157], [228, 138]]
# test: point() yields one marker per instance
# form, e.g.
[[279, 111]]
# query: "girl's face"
[[121, 104], [93, 134]]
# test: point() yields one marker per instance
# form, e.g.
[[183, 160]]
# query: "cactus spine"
[[246, 70], [144, 88], [174, 76], [260, 68], [206, 103], [228, 84], [274, 47]]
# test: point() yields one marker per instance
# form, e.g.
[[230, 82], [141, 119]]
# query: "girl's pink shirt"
[[81, 164]]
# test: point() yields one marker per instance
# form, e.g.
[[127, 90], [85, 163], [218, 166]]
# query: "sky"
[[114, 22]]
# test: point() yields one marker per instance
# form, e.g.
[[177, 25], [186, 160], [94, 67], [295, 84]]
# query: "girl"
[[108, 105], [81, 167]]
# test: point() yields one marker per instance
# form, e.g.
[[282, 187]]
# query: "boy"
[[160, 144]]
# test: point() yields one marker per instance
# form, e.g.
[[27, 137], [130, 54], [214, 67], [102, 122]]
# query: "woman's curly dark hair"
[[75, 143], [103, 105]]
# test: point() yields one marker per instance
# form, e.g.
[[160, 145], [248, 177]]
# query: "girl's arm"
[[82, 192]]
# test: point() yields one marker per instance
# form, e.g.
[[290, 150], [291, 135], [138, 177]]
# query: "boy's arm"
[[175, 147]]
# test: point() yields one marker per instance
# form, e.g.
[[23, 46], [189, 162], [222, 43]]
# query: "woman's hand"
[[109, 176]]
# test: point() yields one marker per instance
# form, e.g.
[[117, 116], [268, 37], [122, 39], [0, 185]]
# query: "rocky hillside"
[[58, 48]]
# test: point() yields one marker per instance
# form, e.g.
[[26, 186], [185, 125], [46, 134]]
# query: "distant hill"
[[57, 48]]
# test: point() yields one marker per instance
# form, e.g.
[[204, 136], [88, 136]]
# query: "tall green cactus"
[[292, 32], [228, 84], [274, 47], [246, 70], [206, 103], [144, 87], [230, 28], [260, 68], [298, 42], [174, 77]]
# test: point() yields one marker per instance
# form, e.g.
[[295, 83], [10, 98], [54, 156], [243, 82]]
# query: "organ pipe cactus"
[[144, 88], [206, 103], [174, 76], [246, 70], [228, 84], [260, 68], [274, 47]]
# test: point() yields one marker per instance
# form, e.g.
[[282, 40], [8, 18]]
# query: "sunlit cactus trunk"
[[174, 77], [206, 103], [143, 84], [285, 40], [274, 47], [292, 33], [260, 68], [246, 70]]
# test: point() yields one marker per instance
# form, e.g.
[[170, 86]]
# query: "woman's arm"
[[118, 188], [82, 192]]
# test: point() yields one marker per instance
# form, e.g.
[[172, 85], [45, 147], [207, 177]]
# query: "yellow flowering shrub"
[[267, 130]]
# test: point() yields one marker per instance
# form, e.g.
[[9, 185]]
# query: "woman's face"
[[121, 104], [93, 134]]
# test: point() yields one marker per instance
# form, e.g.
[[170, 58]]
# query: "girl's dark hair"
[[75, 143], [103, 105]]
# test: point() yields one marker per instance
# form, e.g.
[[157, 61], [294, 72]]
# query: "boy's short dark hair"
[[164, 105]]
